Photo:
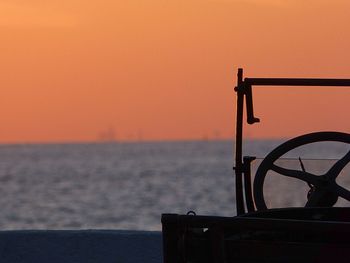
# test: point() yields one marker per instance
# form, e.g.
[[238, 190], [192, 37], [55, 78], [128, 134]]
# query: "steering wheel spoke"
[[341, 191], [338, 167], [301, 175]]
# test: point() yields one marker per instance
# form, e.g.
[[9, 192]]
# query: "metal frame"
[[244, 92], [287, 235]]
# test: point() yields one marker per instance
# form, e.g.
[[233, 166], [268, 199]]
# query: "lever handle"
[[251, 119]]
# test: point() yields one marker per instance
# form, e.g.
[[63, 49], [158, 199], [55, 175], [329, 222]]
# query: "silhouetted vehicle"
[[317, 232]]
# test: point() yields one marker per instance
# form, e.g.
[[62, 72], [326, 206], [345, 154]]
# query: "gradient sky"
[[70, 70]]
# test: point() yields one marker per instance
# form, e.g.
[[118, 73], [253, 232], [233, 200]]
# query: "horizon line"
[[4, 143]]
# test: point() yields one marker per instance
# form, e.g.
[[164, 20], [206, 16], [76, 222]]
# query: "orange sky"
[[154, 69]]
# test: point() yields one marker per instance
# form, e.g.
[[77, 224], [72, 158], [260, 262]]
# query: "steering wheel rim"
[[268, 164]]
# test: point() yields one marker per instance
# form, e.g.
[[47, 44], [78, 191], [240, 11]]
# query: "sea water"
[[129, 185]]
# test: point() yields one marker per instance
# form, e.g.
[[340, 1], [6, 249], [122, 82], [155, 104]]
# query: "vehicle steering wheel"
[[324, 190]]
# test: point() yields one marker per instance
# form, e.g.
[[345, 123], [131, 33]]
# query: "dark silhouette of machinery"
[[317, 232]]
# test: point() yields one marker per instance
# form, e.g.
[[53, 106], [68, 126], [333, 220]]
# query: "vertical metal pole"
[[247, 160], [239, 134]]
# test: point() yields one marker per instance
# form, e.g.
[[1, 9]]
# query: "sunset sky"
[[73, 70]]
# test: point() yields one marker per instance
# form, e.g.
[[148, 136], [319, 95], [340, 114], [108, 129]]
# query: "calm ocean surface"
[[129, 185]]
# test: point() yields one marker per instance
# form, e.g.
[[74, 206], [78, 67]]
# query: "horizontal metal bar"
[[296, 82], [254, 223]]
